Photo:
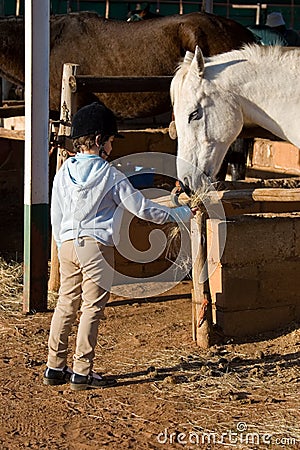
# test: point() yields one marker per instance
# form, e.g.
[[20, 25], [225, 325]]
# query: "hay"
[[197, 200], [52, 299], [177, 251], [216, 381], [174, 231], [11, 286]]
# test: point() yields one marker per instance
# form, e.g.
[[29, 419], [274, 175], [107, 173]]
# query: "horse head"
[[207, 121]]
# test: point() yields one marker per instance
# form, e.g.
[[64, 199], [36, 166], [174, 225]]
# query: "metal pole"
[[18, 8], [69, 6], [107, 9], [180, 7], [36, 203], [257, 8], [292, 19], [207, 6]]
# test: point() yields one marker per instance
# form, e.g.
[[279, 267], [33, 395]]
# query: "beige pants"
[[86, 273]]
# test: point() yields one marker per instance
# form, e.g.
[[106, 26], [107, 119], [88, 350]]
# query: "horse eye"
[[196, 115]]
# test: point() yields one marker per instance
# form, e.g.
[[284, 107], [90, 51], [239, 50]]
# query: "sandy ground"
[[170, 393]]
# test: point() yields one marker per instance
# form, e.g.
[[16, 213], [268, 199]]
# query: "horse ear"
[[199, 60]]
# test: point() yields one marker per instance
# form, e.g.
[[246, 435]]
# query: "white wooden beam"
[[36, 203]]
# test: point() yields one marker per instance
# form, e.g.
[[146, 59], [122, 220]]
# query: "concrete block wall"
[[273, 158], [139, 255], [11, 189], [14, 123], [149, 140], [152, 144], [256, 282]]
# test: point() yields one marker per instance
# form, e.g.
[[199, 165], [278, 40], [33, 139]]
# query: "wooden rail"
[[245, 198], [239, 202], [12, 111], [17, 135], [85, 83]]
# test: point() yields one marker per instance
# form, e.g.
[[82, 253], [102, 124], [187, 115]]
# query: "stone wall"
[[273, 159], [255, 285]]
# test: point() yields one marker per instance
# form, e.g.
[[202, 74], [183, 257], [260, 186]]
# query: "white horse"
[[214, 98]]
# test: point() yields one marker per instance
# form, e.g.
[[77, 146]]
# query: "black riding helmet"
[[95, 119]]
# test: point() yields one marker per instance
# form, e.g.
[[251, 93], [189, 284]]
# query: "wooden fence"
[[239, 201], [73, 83]]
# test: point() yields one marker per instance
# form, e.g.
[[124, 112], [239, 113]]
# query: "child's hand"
[[195, 209]]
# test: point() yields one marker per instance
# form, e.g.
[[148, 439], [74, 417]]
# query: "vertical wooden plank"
[[202, 308], [36, 205], [1, 98], [68, 108], [54, 282], [195, 245]]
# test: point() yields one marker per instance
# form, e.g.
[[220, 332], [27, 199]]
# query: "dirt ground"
[[170, 393]]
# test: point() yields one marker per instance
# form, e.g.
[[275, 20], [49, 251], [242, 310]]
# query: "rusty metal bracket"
[[202, 312]]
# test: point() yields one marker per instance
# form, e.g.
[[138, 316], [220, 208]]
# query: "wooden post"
[[1, 98], [201, 300], [67, 109], [36, 204]]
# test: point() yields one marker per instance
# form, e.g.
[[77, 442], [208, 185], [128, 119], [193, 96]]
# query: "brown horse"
[[110, 48]]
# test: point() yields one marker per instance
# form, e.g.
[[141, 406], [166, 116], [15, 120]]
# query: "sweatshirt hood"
[[86, 170], [85, 179]]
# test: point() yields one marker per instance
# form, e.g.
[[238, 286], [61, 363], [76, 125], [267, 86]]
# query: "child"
[[86, 193]]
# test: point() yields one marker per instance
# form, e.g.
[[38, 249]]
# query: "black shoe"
[[92, 381], [54, 377]]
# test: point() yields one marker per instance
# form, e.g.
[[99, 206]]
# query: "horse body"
[[214, 98], [116, 48]]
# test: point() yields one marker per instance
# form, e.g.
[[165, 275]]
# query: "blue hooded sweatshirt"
[[89, 197]]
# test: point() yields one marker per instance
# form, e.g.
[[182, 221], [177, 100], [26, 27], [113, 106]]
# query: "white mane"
[[252, 53], [262, 56], [256, 53]]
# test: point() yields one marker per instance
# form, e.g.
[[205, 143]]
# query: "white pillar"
[[36, 203]]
